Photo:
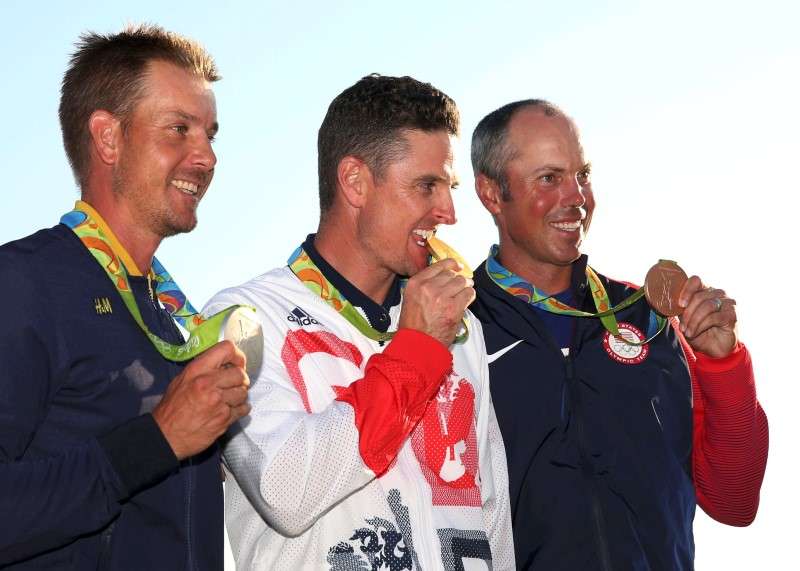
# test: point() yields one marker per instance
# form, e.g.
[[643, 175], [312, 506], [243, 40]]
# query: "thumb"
[[219, 355]]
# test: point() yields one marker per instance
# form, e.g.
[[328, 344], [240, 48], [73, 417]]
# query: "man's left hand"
[[709, 319]]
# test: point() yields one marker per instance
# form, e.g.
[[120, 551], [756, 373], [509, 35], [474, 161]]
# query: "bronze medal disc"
[[245, 331], [663, 285]]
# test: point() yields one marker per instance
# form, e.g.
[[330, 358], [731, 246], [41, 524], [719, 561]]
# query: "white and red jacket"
[[358, 456]]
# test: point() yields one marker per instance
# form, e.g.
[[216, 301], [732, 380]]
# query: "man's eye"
[[584, 178], [548, 178], [212, 138], [428, 187], [181, 129]]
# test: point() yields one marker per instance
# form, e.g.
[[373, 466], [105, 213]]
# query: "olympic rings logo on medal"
[[623, 352]]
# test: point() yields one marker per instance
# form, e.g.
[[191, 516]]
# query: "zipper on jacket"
[[104, 561], [597, 509]]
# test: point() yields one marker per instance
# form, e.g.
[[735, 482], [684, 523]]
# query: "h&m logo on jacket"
[[102, 305]]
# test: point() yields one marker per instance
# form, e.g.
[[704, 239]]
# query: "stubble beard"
[[158, 219]]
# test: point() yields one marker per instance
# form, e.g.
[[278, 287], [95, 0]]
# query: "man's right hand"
[[207, 397], [435, 299]]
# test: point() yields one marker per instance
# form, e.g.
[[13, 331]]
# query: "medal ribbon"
[[307, 272], [528, 293], [203, 333]]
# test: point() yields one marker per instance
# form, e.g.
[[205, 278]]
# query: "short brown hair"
[[490, 148], [107, 72], [367, 120]]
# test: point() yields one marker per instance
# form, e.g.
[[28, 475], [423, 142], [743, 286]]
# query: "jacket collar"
[[513, 314]]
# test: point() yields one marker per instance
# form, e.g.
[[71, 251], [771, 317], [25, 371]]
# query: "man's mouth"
[[186, 187], [567, 226], [423, 236]]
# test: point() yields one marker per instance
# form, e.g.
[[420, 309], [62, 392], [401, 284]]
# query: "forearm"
[[731, 438], [392, 397], [291, 477], [294, 464], [49, 502]]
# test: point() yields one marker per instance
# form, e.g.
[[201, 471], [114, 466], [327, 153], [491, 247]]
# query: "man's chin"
[[415, 267], [174, 227]]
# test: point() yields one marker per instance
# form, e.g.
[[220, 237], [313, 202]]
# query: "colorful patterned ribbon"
[[203, 333], [307, 272], [528, 293]]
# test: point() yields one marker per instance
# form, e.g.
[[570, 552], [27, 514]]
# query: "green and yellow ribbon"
[[520, 288], [312, 277], [99, 240]]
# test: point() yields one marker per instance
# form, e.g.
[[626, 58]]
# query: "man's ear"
[[489, 193], [106, 133], [354, 180]]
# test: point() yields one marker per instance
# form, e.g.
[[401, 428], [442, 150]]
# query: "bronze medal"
[[663, 285], [245, 331]]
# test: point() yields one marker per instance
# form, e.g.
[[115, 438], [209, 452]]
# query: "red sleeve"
[[731, 437], [392, 396]]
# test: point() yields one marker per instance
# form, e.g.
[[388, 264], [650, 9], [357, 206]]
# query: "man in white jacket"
[[372, 441]]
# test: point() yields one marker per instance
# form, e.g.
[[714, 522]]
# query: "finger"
[[234, 396], [228, 378], [238, 412], [448, 264], [696, 297], [447, 278], [454, 285], [692, 286], [465, 297], [224, 352], [725, 318], [703, 304]]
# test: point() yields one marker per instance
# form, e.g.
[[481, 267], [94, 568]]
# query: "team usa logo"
[[623, 352]]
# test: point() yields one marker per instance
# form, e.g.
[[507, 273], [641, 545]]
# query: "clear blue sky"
[[689, 112]]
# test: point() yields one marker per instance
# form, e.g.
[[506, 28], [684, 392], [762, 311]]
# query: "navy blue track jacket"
[[599, 449], [87, 480]]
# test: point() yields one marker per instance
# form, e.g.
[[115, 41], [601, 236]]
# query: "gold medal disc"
[[441, 251]]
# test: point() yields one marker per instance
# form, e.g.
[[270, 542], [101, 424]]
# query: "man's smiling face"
[[549, 201], [166, 162]]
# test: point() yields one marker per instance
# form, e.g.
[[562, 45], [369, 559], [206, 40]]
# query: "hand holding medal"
[[440, 251], [211, 392], [707, 315], [435, 299]]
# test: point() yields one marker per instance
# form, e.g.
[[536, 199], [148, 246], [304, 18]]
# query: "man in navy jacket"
[[610, 444], [107, 449]]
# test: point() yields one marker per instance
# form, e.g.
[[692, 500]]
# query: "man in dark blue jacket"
[[107, 447], [611, 437]]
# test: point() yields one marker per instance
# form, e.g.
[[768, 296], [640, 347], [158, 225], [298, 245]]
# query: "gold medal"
[[441, 251]]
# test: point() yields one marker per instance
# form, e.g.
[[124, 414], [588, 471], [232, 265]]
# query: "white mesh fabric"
[[302, 498]]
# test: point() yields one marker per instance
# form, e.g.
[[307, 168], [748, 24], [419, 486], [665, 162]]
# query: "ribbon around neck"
[[203, 333], [301, 265], [526, 291]]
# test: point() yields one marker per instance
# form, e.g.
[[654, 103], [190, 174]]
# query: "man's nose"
[[573, 193], [444, 211], [203, 155]]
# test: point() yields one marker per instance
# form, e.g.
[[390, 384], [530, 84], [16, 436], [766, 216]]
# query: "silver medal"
[[244, 330]]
